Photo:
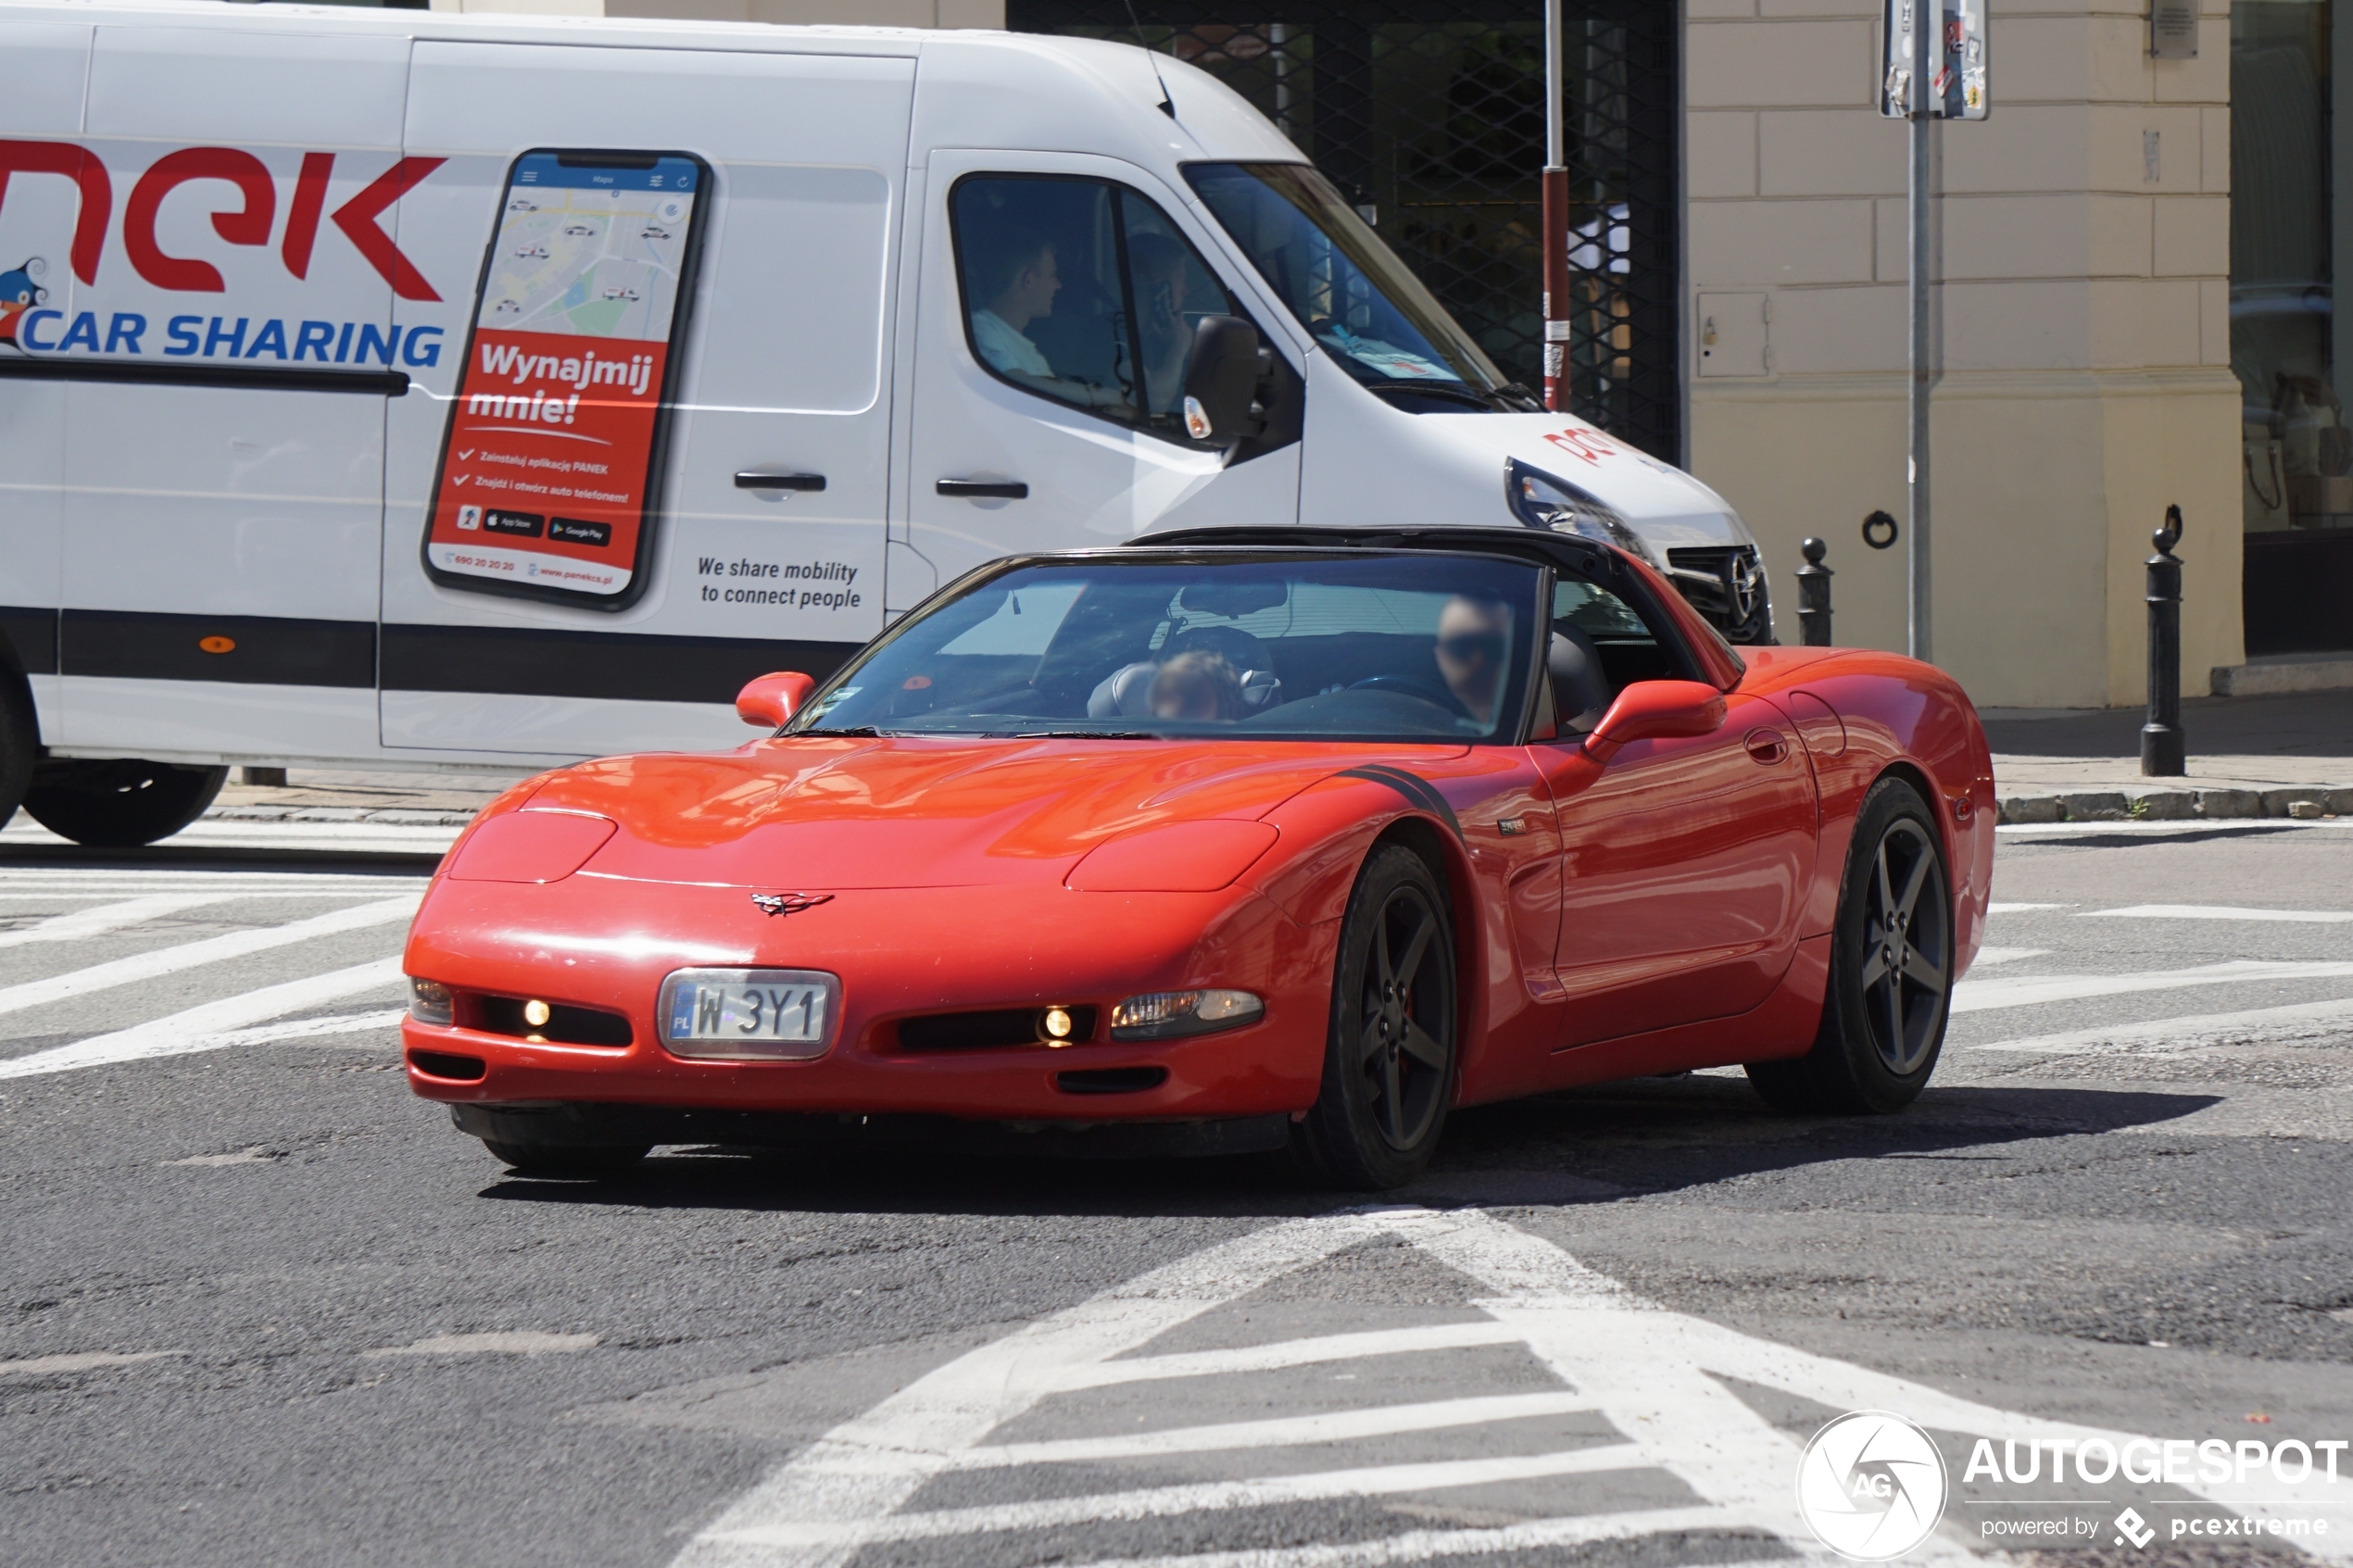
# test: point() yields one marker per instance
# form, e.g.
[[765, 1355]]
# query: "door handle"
[[752, 478], [1767, 745], [983, 489]]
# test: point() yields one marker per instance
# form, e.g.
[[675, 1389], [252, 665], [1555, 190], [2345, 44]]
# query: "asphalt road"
[[258, 1305]]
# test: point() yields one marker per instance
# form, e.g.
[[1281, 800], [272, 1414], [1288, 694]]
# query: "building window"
[[2290, 347]]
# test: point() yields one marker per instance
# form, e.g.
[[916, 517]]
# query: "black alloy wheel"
[[1890, 979], [578, 1162], [120, 803], [1388, 1058]]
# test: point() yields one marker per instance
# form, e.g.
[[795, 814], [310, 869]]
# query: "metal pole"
[[2163, 748], [1814, 596], [1556, 219], [1927, 17]]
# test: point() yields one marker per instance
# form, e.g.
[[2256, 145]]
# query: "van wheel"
[[121, 804], [565, 1160], [1388, 1058], [1891, 976], [20, 741]]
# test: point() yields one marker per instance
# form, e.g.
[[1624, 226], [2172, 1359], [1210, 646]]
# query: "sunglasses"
[[1464, 647]]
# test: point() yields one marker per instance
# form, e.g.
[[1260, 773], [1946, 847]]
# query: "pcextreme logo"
[[1871, 1485]]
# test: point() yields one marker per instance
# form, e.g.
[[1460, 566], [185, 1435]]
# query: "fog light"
[[430, 1002], [534, 1013], [1160, 1015], [1058, 1025]]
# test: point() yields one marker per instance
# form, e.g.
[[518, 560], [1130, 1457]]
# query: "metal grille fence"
[[1431, 118]]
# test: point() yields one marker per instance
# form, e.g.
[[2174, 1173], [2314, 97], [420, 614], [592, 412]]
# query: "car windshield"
[[1348, 288], [1417, 648]]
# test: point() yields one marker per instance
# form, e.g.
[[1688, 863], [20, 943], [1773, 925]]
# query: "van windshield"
[[1346, 287]]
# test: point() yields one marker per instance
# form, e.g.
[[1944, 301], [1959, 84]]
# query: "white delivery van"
[[396, 387]]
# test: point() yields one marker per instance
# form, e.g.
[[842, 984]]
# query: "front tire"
[[1891, 981], [116, 805], [559, 1159], [1388, 1058], [19, 743]]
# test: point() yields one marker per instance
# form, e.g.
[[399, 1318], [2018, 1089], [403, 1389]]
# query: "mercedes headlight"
[[1546, 501]]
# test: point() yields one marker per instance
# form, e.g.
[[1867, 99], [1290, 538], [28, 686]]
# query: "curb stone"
[[344, 814], [2174, 805]]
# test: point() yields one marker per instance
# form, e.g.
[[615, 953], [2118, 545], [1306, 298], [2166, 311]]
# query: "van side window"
[[1069, 286]]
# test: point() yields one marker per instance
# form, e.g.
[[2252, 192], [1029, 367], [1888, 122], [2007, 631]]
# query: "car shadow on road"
[[1598, 1145]]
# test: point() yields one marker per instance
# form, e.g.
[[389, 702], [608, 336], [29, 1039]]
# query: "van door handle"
[[752, 478], [985, 489]]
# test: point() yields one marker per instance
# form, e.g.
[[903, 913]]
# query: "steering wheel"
[[1405, 685]]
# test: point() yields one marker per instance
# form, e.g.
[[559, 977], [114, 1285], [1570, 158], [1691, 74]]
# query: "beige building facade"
[[2082, 327]]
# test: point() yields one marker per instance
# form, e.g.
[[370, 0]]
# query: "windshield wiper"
[[1441, 390], [1086, 735], [1517, 396], [865, 730]]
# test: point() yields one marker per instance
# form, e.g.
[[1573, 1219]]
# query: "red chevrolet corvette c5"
[[1234, 841]]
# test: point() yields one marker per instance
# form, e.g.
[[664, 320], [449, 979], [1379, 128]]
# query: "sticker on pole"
[[1957, 53], [1871, 1485]]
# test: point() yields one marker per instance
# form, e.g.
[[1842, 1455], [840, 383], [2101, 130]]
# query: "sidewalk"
[[2248, 757], [312, 795]]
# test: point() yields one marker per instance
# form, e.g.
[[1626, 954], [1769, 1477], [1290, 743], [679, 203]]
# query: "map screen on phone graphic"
[[555, 432]]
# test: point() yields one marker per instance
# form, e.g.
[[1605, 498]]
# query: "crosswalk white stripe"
[[1978, 996], [213, 950], [97, 921], [223, 891], [1334, 1426], [1165, 1502], [2257, 1026], [866, 1467], [2000, 909], [1288, 1352], [2220, 912], [1421, 1546], [213, 1026]]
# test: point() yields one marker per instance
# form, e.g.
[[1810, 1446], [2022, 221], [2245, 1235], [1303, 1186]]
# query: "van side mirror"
[[1656, 710], [1222, 371], [769, 701]]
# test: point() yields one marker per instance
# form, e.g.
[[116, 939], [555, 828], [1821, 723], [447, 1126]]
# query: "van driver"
[[1022, 262]]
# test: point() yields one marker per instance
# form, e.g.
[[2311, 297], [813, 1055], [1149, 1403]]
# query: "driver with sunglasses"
[[1473, 638]]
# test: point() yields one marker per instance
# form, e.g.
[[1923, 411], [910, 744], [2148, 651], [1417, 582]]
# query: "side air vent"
[[1111, 1080]]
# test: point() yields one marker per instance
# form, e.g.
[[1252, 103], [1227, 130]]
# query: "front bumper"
[[607, 944]]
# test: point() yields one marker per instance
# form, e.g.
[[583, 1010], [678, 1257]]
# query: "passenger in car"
[[1198, 686]]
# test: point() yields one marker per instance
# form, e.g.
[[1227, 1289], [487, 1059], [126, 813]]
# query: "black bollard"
[[2163, 753], [1814, 596]]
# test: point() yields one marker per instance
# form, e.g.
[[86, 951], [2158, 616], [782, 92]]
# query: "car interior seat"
[[1581, 691]]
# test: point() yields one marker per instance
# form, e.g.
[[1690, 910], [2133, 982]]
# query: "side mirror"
[[772, 699], [1221, 382], [1656, 710]]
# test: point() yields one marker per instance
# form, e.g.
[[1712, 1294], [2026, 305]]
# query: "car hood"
[[827, 813]]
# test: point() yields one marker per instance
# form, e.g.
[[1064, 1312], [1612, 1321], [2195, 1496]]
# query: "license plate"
[[763, 1014]]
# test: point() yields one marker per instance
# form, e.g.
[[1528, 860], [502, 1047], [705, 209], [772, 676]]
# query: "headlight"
[[430, 1001], [1162, 1015], [1546, 501]]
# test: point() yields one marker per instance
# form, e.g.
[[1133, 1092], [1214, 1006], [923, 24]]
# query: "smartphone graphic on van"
[[554, 446]]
